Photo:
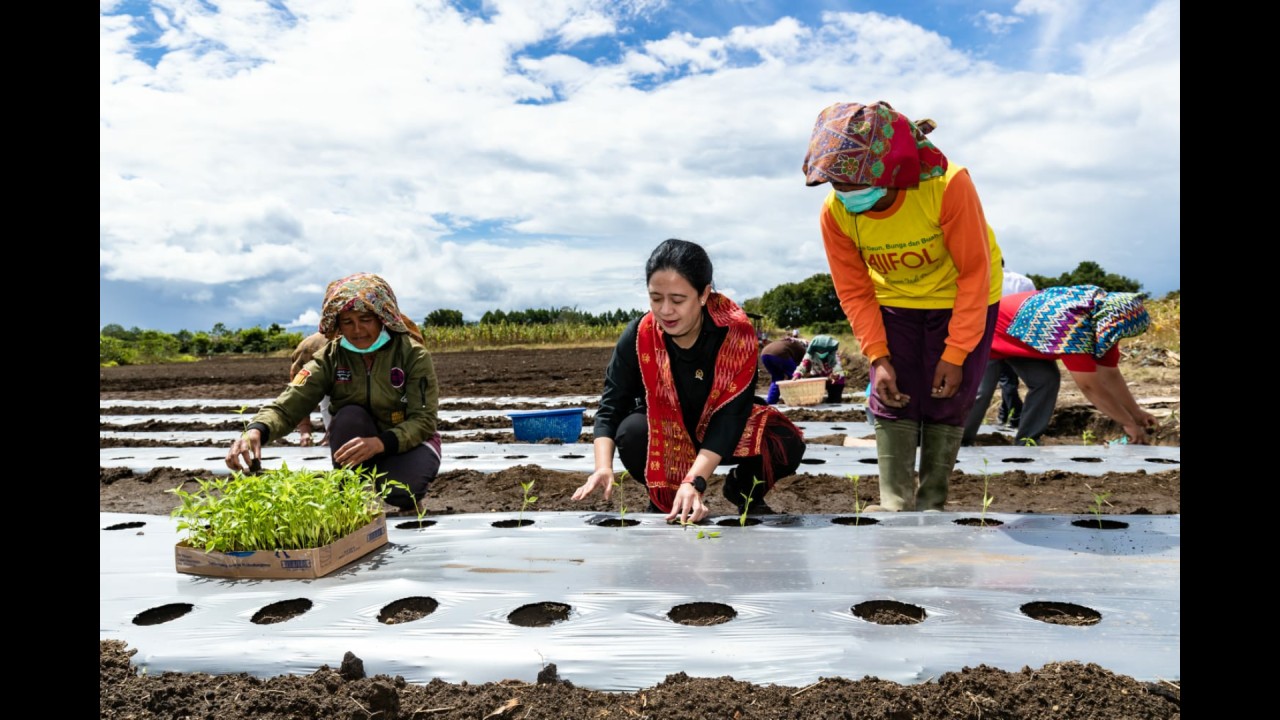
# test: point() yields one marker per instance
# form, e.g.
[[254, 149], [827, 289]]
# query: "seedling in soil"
[[1099, 499], [1029, 442], [858, 505], [255, 465], [527, 500], [1088, 437], [746, 500], [987, 498], [622, 505]]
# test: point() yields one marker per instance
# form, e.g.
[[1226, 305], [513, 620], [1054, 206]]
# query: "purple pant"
[[916, 341]]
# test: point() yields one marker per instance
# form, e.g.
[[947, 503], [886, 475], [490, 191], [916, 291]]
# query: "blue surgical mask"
[[383, 338], [856, 201]]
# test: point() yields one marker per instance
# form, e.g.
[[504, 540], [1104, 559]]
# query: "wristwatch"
[[699, 483]]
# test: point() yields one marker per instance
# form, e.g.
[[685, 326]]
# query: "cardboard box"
[[307, 563]]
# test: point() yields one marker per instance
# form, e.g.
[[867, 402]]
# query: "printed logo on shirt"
[[300, 379], [397, 378], [397, 417], [343, 375]]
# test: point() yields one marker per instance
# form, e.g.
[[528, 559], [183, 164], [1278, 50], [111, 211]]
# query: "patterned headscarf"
[[365, 292], [871, 145], [1078, 320]]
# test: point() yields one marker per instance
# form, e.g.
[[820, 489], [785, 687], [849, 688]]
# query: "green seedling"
[[708, 535], [1099, 499], [987, 498], [278, 509], [746, 500], [1088, 437], [1029, 442], [255, 465], [527, 500], [618, 486], [858, 505]]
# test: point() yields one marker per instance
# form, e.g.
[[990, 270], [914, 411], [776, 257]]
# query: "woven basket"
[[809, 391]]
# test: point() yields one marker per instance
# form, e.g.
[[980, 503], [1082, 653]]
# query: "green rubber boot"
[[939, 446], [896, 442]]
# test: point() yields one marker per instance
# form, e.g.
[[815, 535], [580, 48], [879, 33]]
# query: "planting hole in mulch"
[[512, 523], [738, 521], [407, 610], [702, 613], [869, 461], [278, 612], [1017, 460], [1087, 459], [854, 520], [1164, 461], [540, 614], [813, 461], [978, 522], [571, 457], [515, 457], [1059, 613], [415, 524], [889, 612], [1100, 524], [162, 614], [614, 522], [124, 526]]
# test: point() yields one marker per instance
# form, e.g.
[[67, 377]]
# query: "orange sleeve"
[[854, 288], [964, 232]]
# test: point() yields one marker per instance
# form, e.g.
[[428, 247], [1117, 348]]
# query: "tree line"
[[811, 303]]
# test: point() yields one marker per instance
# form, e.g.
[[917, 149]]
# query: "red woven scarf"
[[671, 451]]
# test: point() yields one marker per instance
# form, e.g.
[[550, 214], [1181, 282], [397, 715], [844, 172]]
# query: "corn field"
[[478, 337]]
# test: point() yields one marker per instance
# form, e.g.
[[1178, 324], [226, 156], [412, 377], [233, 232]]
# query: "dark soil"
[[1054, 691]]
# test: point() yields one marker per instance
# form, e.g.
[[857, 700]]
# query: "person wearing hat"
[[822, 359], [382, 391], [917, 271], [780, 358], [1082, 326]]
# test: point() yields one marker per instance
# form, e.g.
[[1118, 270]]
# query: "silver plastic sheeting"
[[577, 457], [792, 581]]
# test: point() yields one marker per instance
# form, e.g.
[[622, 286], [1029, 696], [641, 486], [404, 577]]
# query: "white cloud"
[[269, 151]]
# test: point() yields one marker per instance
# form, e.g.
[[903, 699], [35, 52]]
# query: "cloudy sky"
[[515, 154]]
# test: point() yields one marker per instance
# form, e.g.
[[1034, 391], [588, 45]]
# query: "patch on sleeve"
[[342, 375], [397, 417], [301, 378]]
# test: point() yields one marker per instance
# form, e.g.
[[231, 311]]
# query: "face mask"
[[383, 338], [856, 201]]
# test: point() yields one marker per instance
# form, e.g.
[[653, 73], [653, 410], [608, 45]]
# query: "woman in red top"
[[1082, 326]]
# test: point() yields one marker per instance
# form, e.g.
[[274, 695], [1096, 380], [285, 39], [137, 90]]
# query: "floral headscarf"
[[871, 145], [1078, 320], [365, 292]]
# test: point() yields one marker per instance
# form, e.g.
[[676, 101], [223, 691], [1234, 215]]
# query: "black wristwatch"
[[699, 483]]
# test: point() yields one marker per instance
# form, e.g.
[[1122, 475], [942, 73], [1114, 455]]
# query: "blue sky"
[[530, 153]]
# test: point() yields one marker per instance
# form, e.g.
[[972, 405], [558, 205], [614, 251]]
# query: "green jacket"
[[406, 414]]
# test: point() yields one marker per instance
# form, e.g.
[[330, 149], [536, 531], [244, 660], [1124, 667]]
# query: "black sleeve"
[[623, 386]]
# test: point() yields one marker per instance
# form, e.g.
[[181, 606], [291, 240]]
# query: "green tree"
[[1088, 273], [810, 301], [443, 318]]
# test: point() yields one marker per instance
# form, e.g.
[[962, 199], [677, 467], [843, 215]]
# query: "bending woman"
[[382, 392], [679, 397]]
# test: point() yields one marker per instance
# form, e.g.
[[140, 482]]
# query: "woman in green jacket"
[[382, 392]]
